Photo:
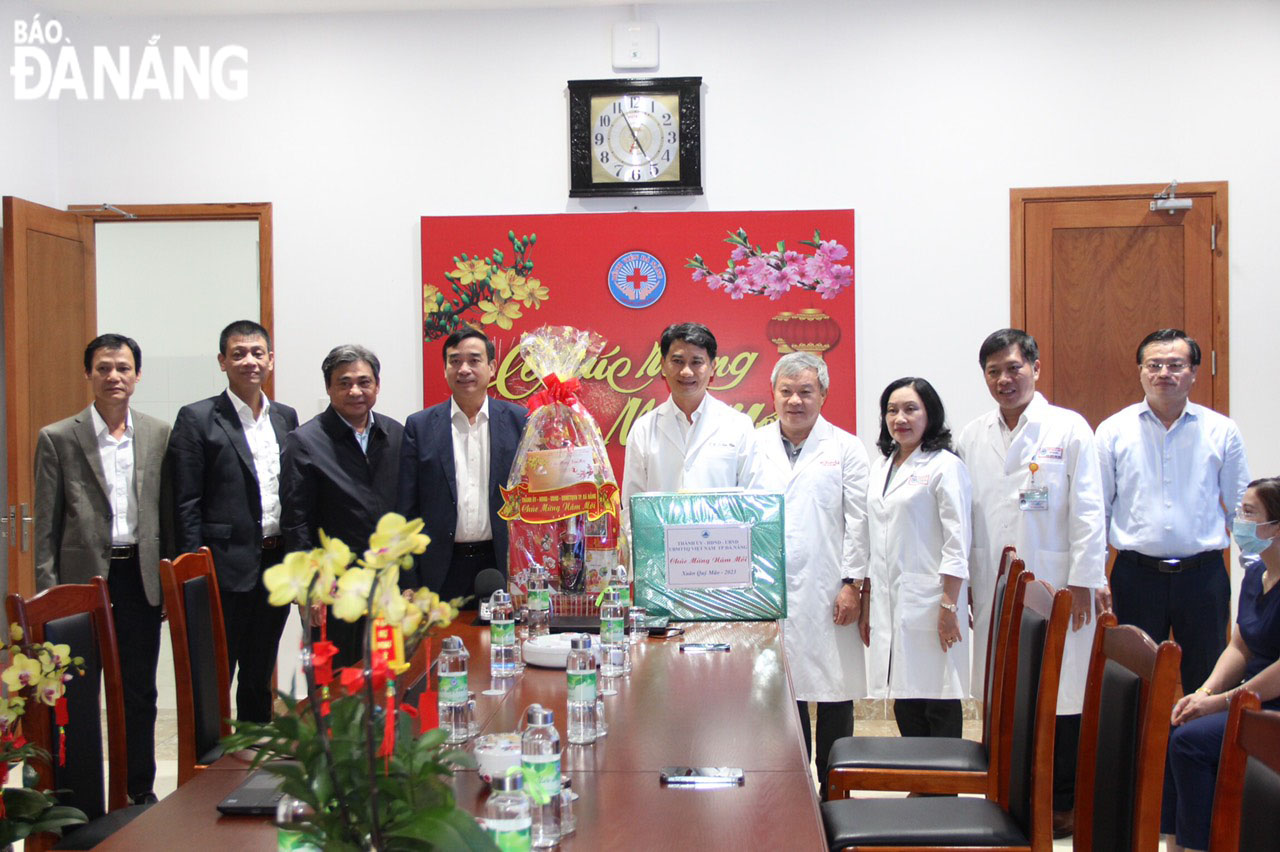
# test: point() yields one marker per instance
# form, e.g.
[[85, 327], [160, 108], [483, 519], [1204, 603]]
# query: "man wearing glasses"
[[1172, 473]]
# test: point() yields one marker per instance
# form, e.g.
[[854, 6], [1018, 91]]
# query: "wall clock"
[[637, 136]]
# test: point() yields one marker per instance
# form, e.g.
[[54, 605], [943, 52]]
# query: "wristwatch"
[[951, 608]]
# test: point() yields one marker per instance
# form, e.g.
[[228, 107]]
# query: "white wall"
[[919, 115]]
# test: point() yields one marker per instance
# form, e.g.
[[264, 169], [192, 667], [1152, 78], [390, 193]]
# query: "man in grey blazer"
[[98, 514]]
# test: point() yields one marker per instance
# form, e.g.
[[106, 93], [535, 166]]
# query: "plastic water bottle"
[[291, 813], [539, 603], [614, 647], [580, 669], [540, 760], [452, 669], [504, 653], [619, 580], [507, 814]]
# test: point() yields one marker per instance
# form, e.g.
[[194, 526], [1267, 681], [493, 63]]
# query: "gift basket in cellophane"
[[562, 501]]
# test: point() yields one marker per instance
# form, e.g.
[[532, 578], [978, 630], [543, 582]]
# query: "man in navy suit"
[[453, 458], [341, 472], [224, 454]]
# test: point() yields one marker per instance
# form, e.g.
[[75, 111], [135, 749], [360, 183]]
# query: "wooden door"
[[50, 313], [1095, 270]]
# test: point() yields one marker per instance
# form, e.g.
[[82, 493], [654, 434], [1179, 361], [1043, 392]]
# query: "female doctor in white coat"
[[918, 509]]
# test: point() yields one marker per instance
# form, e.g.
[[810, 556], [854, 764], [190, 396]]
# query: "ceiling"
[[167, 8]]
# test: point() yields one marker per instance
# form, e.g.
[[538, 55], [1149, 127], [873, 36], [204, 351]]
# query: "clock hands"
[[632, 130]]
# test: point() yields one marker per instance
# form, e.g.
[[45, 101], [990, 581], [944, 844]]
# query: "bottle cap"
[[506, 783], [451, 643], [580, 642], [539, 715], [499, 598]]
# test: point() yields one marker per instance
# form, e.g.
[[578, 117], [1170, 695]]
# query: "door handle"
[[6, 521], [27, 521]]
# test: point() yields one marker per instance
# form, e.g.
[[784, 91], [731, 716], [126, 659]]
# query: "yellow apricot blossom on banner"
[[470, 271], [533, 293], [499, 312]]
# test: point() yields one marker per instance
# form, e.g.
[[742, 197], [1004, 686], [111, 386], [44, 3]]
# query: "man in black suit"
[[453, 458], [339, 472], [224, 455]]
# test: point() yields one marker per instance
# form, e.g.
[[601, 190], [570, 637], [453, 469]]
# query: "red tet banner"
[[765, 283]]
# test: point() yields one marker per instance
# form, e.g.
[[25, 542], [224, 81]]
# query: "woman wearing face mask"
[[918, 517], [1251, 661]]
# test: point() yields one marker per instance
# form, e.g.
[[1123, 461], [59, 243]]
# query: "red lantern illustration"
[[810, 330]]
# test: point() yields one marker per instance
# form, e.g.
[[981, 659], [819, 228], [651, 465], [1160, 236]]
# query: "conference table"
[[732, 708]]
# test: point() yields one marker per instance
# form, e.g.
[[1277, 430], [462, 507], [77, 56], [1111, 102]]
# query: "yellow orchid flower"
[[388, 602], [470, 271], [288, 582], [430, 300], [505, 281], [395, 537], [352, 598], [15, 632], [412, 619], [331, 559], [50, 689], [59, 656], [22, 672], [11, 710], [533, 294], [499, 312]]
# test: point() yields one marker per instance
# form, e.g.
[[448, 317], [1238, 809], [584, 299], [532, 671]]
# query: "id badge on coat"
[[1034, 499]]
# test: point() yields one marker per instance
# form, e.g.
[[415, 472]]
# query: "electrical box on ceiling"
[[635, 45]]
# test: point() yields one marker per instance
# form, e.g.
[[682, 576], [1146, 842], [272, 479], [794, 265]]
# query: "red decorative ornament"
[[810, 330]]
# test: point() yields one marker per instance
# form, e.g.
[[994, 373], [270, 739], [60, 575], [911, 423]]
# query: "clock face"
[[635, 138]]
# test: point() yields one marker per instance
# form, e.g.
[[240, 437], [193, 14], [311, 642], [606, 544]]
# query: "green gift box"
[[710, 556]]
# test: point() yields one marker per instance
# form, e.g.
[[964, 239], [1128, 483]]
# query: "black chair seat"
[[97, 830], [960, 821], [932, 754]]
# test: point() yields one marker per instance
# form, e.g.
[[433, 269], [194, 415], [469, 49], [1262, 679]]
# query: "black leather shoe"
[[1064, 824], [147, 798]]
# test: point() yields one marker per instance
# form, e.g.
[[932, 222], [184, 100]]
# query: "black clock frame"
[[689, 90]]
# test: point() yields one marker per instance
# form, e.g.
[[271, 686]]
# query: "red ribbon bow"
[[554, 390], [322, 654]]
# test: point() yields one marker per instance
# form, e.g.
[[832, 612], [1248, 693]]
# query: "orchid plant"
[[34, 675], [372, 772], [751, 271]]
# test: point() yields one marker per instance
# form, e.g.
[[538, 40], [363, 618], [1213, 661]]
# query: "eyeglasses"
[[1174, 367]]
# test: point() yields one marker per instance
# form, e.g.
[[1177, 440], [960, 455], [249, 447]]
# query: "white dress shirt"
[[266, 459], [117, 467], [1170, 492], [471, 472]]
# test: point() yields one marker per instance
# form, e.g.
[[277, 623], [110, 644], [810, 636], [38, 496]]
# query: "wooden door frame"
[[1019, 198], [256, 211]]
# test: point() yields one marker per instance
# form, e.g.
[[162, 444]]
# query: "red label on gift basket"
[[545, 507]]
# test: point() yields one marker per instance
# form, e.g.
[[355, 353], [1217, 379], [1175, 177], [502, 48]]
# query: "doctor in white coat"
[[693, 441], [918, 509], [1037, 485], [823, 472]]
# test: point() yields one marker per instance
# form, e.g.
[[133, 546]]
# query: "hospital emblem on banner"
[[637, 279]]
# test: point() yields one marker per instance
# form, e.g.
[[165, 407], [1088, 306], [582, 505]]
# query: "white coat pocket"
[[919, 666]]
